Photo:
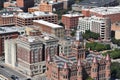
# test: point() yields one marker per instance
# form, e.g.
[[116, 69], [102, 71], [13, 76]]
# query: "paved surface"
[[116, 60], [8, 72]]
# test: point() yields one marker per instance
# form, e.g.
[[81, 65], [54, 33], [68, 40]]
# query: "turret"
[[79, 72], [108, 64], [94, 69], [108, 57], [48, 58], [65, 72]]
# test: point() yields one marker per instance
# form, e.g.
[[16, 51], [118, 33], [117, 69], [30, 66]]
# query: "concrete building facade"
[[96, 24], [10, 52]]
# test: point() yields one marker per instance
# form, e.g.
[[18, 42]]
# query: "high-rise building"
[[96, 24], [5, 34], [33, 50]]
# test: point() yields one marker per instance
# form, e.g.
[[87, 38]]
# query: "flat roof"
[[93, 18], [9, 29], [34, 14], [95, 2], [48, 24], [106, 10], [72, 15], [44, 37]]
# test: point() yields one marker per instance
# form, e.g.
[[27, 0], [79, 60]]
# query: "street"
[[8, 72]]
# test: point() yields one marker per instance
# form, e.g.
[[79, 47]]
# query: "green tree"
[[88, 34], [89, 78], [61, 12], [115, 70], [97, 46], [73, 33], [115, 54]]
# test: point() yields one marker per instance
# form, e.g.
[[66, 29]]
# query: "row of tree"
[[115, 54], [97, 46]]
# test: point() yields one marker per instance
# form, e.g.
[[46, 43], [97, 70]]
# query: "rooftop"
[[73, 15], [34, 14], [60, 61], [9, 29], [106, 10], [44, 37], [93, 18], [70, 60], [95, 2], [48, 24]]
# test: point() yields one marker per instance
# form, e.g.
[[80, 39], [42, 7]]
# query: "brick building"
[[111, 12], [33, 9], [70, 21], [49, 28], [55, 5], [7, 19], [25, 4], [25, 19], [50, 6], [32, 51], [6, 33]]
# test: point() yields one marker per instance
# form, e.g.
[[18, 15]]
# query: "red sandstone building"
[[78, 65], [71, 68], [111, 12]]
